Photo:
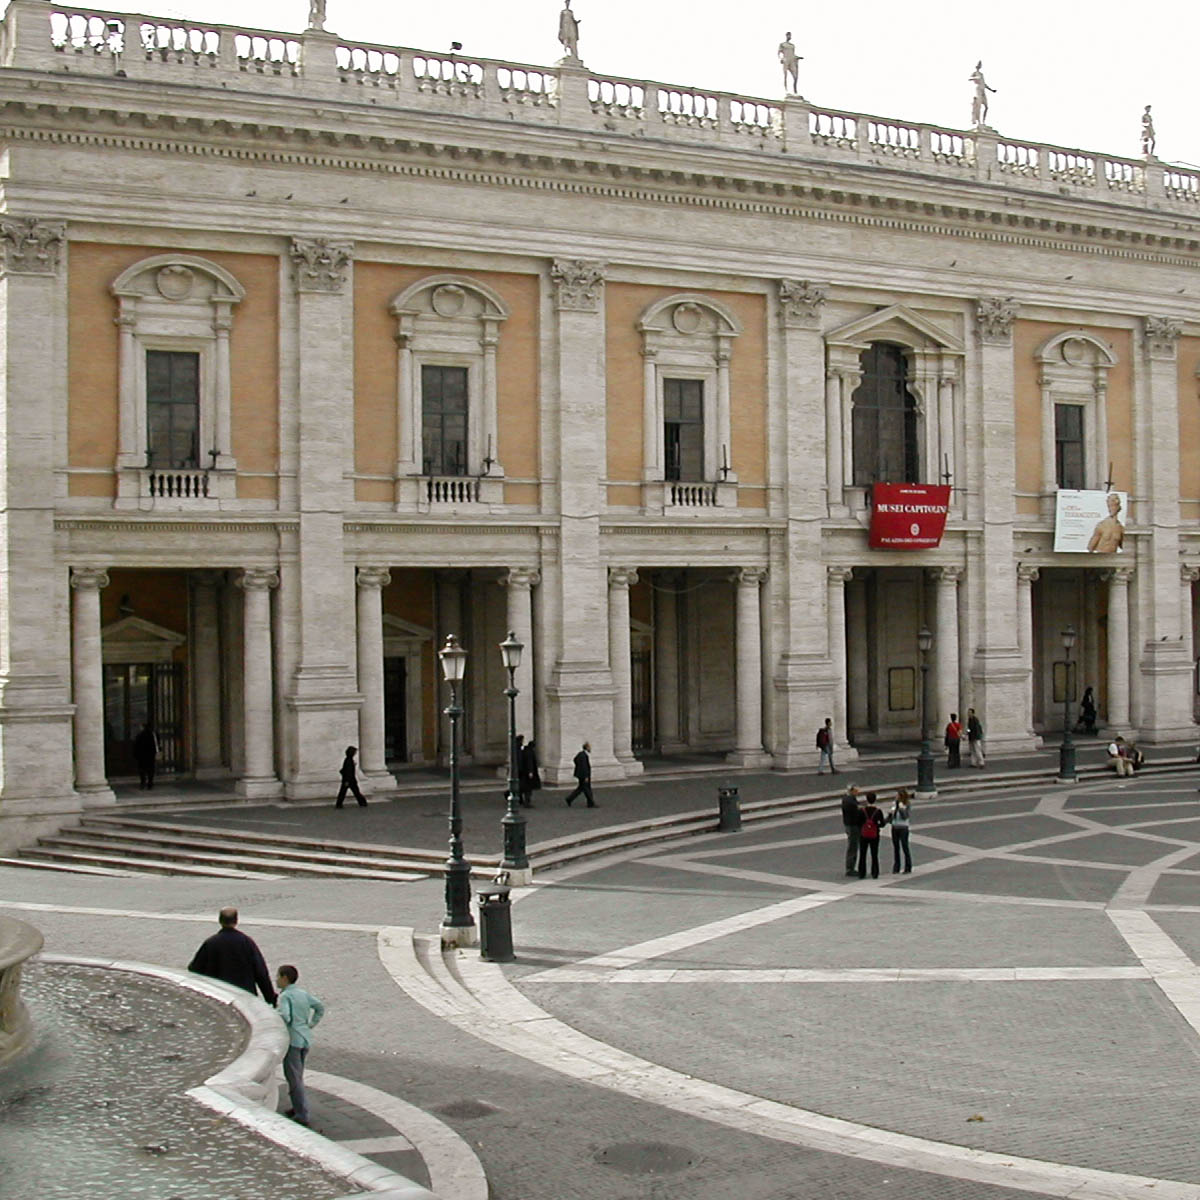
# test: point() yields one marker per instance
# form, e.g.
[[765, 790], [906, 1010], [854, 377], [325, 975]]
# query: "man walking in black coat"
[[145, 755], [232, 956], [349, 779], [583, 772], [852, 820]]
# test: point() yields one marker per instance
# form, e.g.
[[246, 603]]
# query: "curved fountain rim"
[[28, 942], [267, 1044]]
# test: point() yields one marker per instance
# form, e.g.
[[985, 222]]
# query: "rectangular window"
[[683, 429], [172, 409], [1068, 445], [444, 420]]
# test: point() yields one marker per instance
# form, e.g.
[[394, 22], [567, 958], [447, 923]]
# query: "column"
[[372, 754], [222, 438], [946, 698], [945, 410], [835, 600], [748, 685], [620, 580], [666, 662], [205, 643], [579, 692], [1117, 698], [1026, 577], [652, 425], [858, 677], [322, 700], [520, 582], [450, 620], [1187, 577], [258, 703], [131, 452], [87, 680]]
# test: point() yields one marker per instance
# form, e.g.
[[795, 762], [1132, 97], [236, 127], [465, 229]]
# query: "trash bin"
[[495, 925], [730, 819]]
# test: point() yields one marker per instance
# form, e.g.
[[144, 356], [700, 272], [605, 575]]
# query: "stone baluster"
[[87, 680], [620, 580], [372, 749], [258, 778]]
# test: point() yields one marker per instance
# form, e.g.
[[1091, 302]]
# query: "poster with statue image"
[[1090, 522]]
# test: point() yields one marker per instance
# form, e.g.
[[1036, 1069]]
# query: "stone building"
[[316, 352]]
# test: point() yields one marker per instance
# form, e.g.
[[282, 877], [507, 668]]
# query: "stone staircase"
[[143, 845]]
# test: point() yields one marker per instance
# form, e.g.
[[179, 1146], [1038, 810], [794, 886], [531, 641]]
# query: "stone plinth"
[[18, 942]]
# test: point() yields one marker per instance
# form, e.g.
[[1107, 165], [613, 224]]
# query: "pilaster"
[[807, 677], [580, 685], [36, 785], [322, 700], [748, 683], [369, 584], [1000, 671], [1164, 711]]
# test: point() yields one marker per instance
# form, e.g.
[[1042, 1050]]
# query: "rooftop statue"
[[568, 31], [979, 102], [1149, 141], [790, 61], [316, 14]]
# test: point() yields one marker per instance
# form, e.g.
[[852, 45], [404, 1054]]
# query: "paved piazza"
[[1018, 1016]]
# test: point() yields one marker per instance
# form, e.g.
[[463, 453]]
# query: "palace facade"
[[317, 352]]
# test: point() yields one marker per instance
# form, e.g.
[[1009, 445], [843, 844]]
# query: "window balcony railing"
[[182, 484], [452, 489], [692, 495]]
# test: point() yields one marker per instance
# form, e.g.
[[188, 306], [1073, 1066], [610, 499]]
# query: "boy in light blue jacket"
[[301, 1011]]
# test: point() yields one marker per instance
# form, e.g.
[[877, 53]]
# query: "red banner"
[[908, 516]]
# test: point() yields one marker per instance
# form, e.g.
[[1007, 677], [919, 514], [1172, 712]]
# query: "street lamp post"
[[1066, 752], [516, 861], [458, 926], [926, 788]]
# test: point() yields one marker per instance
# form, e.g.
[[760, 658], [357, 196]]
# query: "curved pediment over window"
[[690, 315]]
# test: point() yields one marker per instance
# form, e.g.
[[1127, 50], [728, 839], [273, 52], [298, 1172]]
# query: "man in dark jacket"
[[852, 820], [232, 956], [350, 780], [583, 772], [529, 777]]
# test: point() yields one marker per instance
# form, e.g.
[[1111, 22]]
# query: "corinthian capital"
[[800, 303], [994, 316], [1161, 334], [578, 284], [321, 264], [31, 246]]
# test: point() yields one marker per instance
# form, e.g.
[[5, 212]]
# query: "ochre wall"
[[1189, 428], [375, 415], [1027, 403], [624, 305], [92, 418]]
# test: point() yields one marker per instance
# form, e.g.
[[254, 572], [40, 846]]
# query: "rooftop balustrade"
[[40, 36]]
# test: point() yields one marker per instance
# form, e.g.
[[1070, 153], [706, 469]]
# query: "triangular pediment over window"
[[132, 639], [899, 324]]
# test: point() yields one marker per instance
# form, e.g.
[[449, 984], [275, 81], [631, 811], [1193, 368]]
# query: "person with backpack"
[[868, 837], [953, 741], [900, 818], [825, 746]]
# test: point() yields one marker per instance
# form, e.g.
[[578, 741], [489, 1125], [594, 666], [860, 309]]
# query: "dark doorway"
[[137, 693], [395, 709], [642, 702]]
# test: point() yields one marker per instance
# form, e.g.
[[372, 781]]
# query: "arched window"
[[884, 419]]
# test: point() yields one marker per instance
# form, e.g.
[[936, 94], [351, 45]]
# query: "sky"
[[1074, 74]]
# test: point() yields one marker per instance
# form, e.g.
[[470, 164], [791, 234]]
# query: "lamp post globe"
[[926, 787], [1066, 750], [515, 864], [458, 926]]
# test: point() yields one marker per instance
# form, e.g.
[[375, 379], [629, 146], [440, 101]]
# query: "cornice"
[[872, 197], [170, 525]]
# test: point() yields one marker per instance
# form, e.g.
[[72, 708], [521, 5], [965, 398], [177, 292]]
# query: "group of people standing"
[[863, 821], [953, 740]]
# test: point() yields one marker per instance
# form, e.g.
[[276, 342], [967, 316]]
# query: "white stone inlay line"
[[454, 1169], [850, 975], [668, 944], [1176, 975], [487, 1006]]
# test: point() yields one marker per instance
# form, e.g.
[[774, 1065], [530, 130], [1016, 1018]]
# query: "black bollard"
[[730, 819]]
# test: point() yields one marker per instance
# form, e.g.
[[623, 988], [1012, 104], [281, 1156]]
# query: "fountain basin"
[[18, 943]]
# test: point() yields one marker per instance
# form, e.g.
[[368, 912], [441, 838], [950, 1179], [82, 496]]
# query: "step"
[[138, 842], [250, 861], [142, 867], [33, 864]]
